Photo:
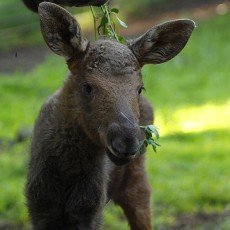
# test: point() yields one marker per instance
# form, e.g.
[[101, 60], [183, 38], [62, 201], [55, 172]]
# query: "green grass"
[[199, 74], [189, 174], [18, 25], [13, 169]]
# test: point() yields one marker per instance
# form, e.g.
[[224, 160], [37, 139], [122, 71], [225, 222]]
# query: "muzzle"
[[122, 142]]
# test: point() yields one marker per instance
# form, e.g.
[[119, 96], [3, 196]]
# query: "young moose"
[[85, 147]]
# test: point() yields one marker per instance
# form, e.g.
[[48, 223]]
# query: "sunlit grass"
[[194, 119]]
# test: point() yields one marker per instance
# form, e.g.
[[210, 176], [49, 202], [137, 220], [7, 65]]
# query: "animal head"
[[105, 82]]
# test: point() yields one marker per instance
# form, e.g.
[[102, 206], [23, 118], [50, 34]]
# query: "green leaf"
[[123, 24], [104, 21], [153, 143], [122, 40], [154, 148], [103, 24], [109, 33], [148, 133], [115, 10], [107, 23], [154, 130], [149, 140]]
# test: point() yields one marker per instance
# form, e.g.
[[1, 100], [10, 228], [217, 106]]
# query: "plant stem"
[[110, 23], [105, 10], [94, 22]]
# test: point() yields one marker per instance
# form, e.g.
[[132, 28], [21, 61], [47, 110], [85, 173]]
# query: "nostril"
[[118, 146], [122, 148]]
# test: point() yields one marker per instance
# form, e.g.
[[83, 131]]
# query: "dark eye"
[[141, 89], [87, 89]]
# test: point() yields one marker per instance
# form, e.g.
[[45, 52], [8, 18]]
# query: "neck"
[[79, 155]]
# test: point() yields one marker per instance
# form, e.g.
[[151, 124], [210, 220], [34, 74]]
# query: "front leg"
[[84, 205], [45, 201], [134, 196]]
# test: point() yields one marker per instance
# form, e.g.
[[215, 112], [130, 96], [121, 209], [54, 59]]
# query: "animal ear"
[[61, 31], [162, 42]]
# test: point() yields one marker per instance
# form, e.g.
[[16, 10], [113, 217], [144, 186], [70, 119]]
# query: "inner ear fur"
[[162, 42], [61, 31]]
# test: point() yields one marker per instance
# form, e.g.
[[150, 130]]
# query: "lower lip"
[[118, 161], [129, 157]]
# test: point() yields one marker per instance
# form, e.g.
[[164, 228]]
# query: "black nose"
[[123, 148]]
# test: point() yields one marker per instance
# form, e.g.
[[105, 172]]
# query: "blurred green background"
[[189, 176]]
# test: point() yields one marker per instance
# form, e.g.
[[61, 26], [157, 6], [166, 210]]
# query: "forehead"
[[110, 58]]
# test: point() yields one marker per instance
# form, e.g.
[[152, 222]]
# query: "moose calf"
[[86, 141]]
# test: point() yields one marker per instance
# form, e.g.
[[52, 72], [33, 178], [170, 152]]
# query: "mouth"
[[116, 159]]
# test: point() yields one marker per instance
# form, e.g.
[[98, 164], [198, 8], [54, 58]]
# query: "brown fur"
[[85, 147]]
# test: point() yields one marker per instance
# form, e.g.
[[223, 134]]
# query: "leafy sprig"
[[151, 133], [108, 19]]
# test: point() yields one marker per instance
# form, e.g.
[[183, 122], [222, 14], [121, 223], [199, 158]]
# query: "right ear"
[[162, 42], [61, 31]]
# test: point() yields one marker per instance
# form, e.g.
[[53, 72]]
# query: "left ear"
[[162, 42], [61, 31]]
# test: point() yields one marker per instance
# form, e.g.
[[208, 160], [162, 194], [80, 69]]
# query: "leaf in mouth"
[[151, 133]]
